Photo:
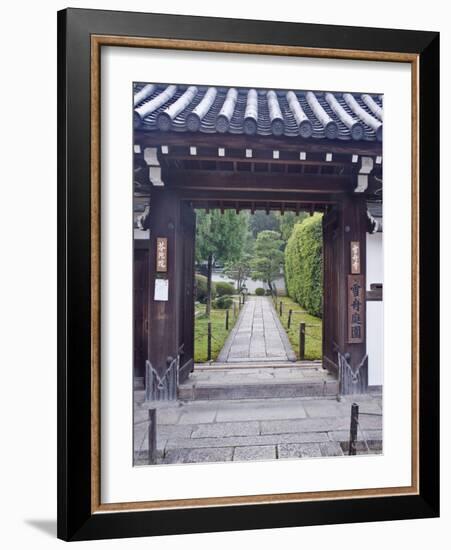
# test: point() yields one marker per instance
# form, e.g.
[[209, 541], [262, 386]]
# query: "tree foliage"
[[287, 223], [268, 257], [304, 265], [220, 235], [219, 238], [261, 221], [201, 288]]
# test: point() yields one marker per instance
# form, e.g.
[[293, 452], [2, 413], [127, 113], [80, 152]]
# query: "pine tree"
[[268, 257]]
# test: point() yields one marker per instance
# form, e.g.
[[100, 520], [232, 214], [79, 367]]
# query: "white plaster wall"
[[374, 259], [375, 311]]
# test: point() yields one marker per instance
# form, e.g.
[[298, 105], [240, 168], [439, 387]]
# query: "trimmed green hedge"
[[224, 289], [304, 265], [223, 302], [259, 291], [201, 289]]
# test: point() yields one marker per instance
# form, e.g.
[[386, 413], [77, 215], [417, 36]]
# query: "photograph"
[[257, 273], [248, 261]]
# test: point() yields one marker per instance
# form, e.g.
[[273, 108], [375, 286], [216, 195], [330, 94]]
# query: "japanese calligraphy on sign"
[[162, 255], [356, 309], [355, 257]]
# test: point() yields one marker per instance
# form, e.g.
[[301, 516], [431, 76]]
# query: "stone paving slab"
[[245, 441], [343, 435], [262, 452], [331, 448], [304, 425], [177, 430], [309, 450], [279, 409], [321, 409], [299, 450], [197, 416], [226, 429], [373, 435], [183, 456]]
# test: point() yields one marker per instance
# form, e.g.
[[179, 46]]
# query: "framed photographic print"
[[248, 274]]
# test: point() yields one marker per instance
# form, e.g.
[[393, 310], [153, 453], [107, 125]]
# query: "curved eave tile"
[[300, 114]]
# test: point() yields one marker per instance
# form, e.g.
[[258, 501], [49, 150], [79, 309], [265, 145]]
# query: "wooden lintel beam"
[[157, 138], [261, 181], [262, 160], [246, 205], [258, 198]]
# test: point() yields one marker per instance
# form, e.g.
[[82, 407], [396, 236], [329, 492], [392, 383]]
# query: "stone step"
[[258, 365], [258, 390]]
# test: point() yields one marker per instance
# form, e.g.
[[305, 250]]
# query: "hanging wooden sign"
[[162, 255], [355, 257], [356, 309]]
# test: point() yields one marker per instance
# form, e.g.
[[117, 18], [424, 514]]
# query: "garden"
[[274, 254]]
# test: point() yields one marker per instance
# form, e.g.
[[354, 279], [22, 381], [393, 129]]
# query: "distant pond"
[[251, 285]]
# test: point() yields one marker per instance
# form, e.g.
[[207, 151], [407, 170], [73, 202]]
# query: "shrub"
[[223, 302], [224, 289], [304, 265], [259, 291], [201, 289]]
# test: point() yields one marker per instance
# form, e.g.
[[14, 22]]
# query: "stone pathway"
[[221, 431], [258, 335]]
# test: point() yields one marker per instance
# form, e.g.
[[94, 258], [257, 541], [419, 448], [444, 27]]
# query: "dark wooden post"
[[209, 289], [290, 313], [185, 310], [152, 436], [280, 308], [227, 320], [353, 428], [302, 341], [163, 341], [209, 341], [344, 225]]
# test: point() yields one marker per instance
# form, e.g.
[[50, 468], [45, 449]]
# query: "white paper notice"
[[161, 290]]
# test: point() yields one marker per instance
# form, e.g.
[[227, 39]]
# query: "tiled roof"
[[293, 113]]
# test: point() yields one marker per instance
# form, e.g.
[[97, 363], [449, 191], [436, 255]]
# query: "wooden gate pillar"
[[344, 335], [164, 290]]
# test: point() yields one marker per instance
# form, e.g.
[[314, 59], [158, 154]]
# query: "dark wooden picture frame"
[[81, 34]]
